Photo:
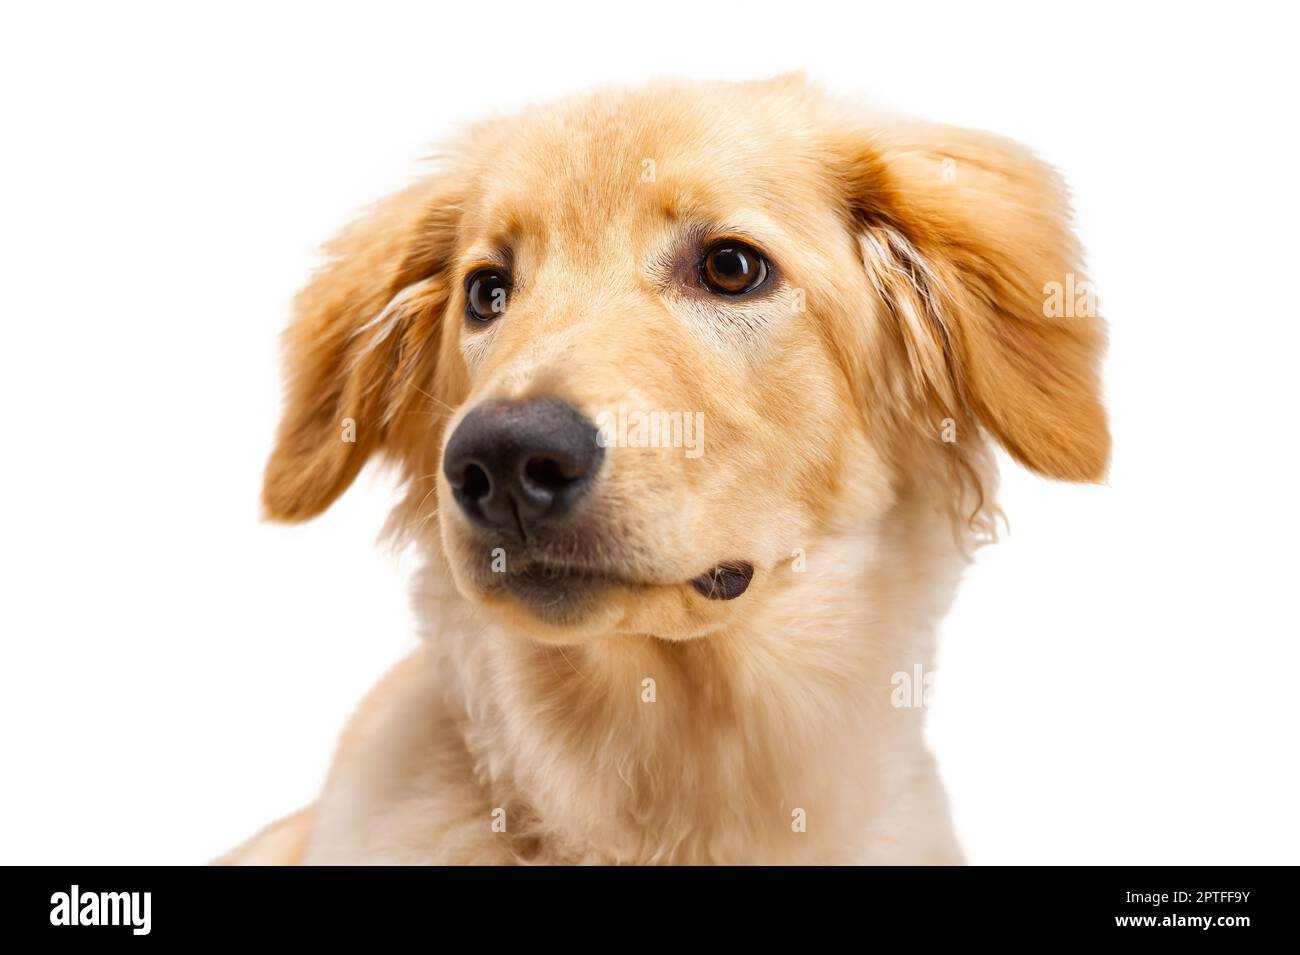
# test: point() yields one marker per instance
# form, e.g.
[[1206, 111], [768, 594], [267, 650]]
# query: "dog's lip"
[[544, 579], [726, 580], [553, 589], [547, 571]]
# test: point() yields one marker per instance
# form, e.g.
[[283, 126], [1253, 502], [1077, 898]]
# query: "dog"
[[693, 390]]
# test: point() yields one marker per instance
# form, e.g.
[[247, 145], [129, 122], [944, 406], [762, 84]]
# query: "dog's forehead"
[[613, 161]]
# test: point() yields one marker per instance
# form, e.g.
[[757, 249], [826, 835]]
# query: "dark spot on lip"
[[726, 581]]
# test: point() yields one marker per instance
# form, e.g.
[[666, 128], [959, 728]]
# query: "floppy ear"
[[365, 331], [967, 238]]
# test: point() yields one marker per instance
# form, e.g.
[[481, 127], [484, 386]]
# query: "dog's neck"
[[770, 740]]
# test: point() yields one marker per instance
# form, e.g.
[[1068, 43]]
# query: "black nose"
[[517, 465]]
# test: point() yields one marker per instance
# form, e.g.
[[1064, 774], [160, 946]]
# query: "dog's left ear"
[[366, 332], [967, 238]]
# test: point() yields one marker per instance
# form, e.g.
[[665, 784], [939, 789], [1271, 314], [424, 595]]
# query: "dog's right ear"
[[365, 332]]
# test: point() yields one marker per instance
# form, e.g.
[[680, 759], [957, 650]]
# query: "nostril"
[[550, 473], [475, 483]]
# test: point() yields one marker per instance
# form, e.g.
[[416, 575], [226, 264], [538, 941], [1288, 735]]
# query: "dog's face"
[[651, 411], [633, 350]]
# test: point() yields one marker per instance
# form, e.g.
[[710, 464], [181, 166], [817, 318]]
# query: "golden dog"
[[691, 389]]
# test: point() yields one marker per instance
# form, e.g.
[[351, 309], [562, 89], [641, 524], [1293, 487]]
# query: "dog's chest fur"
[[775, 742]]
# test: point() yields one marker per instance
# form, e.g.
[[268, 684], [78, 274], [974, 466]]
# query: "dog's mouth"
[[543, 582], [563, 593]]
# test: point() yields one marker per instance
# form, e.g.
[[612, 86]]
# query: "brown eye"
[[486, 294], [732, 268]]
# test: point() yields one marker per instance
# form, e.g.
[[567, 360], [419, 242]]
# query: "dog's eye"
[[732, 268], [486, 293]]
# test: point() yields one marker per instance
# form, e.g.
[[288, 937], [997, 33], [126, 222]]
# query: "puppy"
[[692, 389]]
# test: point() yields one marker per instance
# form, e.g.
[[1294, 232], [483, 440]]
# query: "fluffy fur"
[[848, 413]]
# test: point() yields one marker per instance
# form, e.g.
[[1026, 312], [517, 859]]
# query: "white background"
[[1120, 674]]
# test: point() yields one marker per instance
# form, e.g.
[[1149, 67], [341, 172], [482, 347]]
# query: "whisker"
[[421, 504], [424, 519], [571, 666], [432, 398]]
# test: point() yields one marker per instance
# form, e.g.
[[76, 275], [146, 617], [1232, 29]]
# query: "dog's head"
[[633, 350]]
